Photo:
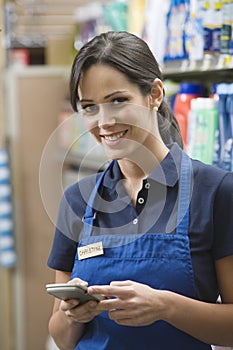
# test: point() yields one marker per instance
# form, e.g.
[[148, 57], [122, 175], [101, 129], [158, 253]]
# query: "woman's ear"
[[156, 93]]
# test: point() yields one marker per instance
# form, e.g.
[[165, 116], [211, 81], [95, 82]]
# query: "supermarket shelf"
[[31, 23], [211, 67]]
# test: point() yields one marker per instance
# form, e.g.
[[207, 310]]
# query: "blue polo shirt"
[[210, 222]]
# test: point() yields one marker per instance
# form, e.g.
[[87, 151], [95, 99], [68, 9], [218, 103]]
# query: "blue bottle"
[[7, 250], [225, 134], [231, 118], [221, 91]]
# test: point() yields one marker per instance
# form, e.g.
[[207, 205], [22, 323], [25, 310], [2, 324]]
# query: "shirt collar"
[[167, 173]]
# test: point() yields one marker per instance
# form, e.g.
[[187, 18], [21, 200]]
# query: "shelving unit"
[[35, 22], [34, 99], [213, 69], [6, 314]]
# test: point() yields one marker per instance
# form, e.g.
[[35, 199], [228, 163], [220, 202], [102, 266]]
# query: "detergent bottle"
[[187, 92]]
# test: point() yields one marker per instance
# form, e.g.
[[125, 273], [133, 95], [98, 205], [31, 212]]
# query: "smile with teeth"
[[115, 137]]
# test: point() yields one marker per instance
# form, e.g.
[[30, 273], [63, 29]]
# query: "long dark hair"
[[130, 55]]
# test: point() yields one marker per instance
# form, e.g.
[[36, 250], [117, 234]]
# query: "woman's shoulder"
[[81, 189], [210, 174], [212, 185]]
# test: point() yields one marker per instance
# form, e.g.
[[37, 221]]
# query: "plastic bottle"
[[194, 39], [213, 93], [222, 156], [208, 27], [203, 121], [175, 41], [171, 90], [226, 30], [231, 119], [187, 92], [155, 27], [136, 20], [7, 245], [231, 45], [227, 162], [217, 24]]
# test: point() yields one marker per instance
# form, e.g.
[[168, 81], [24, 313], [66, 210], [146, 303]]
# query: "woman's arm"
[[67, 324], [65, 331], [136, 304], [211, 323]]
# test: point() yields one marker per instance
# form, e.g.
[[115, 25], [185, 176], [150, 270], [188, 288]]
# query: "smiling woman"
[[163, 220], [116, 112], [132, 57]]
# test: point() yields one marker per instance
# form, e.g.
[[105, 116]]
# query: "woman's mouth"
[[115, 136]]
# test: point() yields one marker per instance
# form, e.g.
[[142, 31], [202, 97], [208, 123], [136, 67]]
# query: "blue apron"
[[162, 261]]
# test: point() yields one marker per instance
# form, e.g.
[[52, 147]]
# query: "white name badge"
[[90, 250]]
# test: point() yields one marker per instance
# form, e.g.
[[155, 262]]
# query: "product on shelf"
[[136, 16], [7, 246], [202, 125], [171, 89], [155, 27], [19, 57], [227, 26], [230, 105], [97, 17], [217, 25], [115, 14], [88, 18], [182, 104], [224, 134], [200, 30], [176, 19], [194, 33]]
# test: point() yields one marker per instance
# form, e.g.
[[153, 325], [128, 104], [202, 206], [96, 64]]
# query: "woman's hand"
[[133, 304], [79, 313]]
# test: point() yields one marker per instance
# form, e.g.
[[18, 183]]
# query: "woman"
[[164, 221]]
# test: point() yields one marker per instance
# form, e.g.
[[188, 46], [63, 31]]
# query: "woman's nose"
[[106, 117]]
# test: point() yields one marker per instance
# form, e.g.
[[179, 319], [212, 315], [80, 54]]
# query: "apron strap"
[[91, 210], [184, 195]]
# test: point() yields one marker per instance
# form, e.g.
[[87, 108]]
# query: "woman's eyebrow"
[[85, 101], [114, 93], [105, 97]]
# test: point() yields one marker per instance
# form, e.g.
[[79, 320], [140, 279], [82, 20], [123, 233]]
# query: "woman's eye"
[[119, 100], [90, 109]]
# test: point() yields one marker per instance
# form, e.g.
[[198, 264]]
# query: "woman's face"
[[115, 111]]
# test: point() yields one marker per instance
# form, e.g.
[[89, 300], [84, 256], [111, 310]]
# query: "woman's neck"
[[139, 166]]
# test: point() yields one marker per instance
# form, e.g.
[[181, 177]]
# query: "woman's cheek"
[[94, 131], [91, 126]]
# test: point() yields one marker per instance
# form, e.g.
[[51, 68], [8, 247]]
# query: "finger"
[[78, 281], [127, 322], [121, 283], [110, 304], [69, 304], [108, 291], [119, 315], [84, 313]]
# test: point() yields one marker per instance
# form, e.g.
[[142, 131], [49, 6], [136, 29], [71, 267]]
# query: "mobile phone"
[[66, 291]]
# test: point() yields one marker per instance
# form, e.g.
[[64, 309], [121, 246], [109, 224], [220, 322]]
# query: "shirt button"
[[147, 185], [135, 221], [141, 200]]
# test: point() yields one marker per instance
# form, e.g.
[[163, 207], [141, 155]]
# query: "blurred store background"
[[43, 145]]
